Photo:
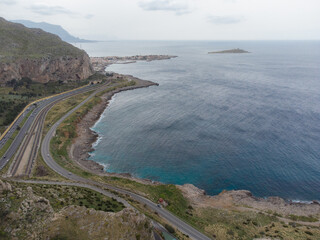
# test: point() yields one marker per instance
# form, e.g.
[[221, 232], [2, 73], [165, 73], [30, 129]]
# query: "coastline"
[[86, 137]]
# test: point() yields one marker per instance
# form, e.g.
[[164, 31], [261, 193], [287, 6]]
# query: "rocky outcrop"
[[237, 199], [5, 186], [74, 222], [47, 69]]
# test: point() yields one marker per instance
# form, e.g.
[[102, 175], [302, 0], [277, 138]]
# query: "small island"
[[236, 50]]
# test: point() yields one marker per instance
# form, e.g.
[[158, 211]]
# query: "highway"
[[31, 119], [35, 122]]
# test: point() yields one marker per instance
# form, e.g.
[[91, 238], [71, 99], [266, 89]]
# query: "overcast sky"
[[174, 19]]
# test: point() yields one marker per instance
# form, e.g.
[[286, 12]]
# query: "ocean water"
[[228, 121]]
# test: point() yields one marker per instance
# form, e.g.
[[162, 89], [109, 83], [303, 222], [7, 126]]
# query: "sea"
[[218, 121]]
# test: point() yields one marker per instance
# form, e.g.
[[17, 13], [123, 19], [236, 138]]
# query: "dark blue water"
[[232, 121]]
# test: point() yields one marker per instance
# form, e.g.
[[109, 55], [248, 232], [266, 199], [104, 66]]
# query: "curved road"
[[45, 152]]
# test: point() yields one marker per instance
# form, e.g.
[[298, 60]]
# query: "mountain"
[[51, 28], [38, 55]]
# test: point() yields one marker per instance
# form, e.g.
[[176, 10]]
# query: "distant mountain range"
[[54, 29]]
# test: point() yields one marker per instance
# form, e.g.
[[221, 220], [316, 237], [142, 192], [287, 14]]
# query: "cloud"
[[50, 10], [89, 16], [179, 7], [8, 2], [222, 20]]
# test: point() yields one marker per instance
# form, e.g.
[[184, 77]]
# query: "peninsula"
[[235, 50], [100, 63]]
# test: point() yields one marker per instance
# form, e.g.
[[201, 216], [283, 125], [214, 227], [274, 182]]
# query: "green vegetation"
[[61, 108], [61, 196], [172, 195], [42, 172], [18, 41], [169, 228], [25, 210], [19, 93], [303, 218]]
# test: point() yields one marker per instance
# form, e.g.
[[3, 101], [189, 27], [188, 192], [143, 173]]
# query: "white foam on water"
[[105, 165]]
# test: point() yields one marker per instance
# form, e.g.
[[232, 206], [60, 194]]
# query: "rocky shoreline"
[[82, 146]]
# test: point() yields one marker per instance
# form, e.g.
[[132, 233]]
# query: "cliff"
[[41, 56]]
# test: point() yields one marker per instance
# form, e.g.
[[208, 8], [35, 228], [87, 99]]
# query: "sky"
[[174, 19]]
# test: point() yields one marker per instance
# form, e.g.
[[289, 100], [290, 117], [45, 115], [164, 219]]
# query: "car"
[[48, 155], [69, 173], [158, 205]]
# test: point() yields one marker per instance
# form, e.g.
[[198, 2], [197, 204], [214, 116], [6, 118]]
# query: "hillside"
[[51, 28], [39, 55], [63, 212]]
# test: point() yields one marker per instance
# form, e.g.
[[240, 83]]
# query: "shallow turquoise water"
[[246, 121]]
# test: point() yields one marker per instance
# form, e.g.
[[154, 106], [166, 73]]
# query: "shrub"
[[169, 228]]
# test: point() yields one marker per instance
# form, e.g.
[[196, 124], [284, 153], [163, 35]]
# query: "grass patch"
[[61, 108], [42, 172], [303, 218], [61, 196], [169, 192]]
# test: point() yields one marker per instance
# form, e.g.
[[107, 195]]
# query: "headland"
[[100, 63]]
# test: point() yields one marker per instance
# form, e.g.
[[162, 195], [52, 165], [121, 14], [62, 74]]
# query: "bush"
[[169, 228]]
